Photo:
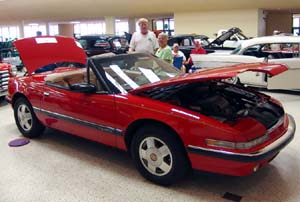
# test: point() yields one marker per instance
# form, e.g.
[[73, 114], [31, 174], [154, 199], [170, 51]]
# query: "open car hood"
[[226, 36], [216, 74], [39, 51]]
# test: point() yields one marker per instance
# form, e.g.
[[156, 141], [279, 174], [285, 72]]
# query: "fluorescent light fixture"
[[33, 24], [74, 22], [117, 20]]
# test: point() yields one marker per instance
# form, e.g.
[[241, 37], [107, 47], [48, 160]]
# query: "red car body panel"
[[39, 51], [106, 118]]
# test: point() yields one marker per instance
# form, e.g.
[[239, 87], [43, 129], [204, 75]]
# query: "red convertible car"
[[169, 122]]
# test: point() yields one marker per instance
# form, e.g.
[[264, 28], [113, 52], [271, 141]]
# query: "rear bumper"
[[230, 162]]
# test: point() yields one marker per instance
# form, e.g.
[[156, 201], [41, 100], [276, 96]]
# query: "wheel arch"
[[16, 97], [134, 126]]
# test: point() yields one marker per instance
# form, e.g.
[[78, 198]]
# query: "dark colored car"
[[186, 43], [7, 49], [99, 44]]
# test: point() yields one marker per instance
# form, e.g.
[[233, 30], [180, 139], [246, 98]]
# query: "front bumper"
[[3, 93], [240, 160]]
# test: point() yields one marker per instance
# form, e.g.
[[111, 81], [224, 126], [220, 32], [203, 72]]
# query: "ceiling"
[[55, 10]]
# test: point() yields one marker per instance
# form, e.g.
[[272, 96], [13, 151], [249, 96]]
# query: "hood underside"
[[216, 74]]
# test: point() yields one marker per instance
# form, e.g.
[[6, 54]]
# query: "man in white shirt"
[[144, 41]]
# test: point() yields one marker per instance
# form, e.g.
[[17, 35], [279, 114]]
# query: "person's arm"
[[155, 43], [132, 44], [168, 56], [183, 57]]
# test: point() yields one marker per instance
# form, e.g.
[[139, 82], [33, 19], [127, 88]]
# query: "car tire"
[[159, 156], [26, 120]]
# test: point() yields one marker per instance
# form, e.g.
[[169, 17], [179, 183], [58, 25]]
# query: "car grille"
[[4, 76]]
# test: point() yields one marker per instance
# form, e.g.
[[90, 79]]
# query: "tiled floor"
[[59, 167]]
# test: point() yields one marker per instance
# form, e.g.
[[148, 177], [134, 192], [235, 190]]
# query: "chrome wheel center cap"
[[153, 157]]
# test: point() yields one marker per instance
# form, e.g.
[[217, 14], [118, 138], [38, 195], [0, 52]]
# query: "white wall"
[[210, 22]]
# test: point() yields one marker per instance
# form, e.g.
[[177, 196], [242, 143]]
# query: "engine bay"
[[221, 101]]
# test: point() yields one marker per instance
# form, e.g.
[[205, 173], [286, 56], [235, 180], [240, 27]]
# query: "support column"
[[66, 30], [131, 23], [110, 24], [47, 29], [21, 30]]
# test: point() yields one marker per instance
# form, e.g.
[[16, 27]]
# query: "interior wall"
[[110, 24], [66, 30], [281, 21], [210, 22]]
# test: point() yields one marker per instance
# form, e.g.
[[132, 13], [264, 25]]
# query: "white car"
[[272, 49]]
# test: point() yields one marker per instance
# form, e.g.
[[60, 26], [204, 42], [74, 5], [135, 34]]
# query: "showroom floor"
[[62, 168]]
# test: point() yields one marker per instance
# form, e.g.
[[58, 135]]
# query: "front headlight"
[[13, 70], [236, 145]]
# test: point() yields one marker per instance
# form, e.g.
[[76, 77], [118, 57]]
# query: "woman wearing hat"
[[178, 57]]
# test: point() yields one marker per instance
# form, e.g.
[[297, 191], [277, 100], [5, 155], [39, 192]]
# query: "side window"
[[66, 79], [116, 43], [186, 42], [290, 50], [93, 80], [171, 42], [281, 50], [83, 43], [124, 42]]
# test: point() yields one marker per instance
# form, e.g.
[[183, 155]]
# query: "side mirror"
[[83, 88]]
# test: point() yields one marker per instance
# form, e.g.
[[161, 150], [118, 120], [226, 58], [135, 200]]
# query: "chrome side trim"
[[102, 128], [261, 154]]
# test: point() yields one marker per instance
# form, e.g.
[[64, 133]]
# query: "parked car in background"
[[99, 44], [186, 43], [6, 71], [272, 49], [9, 54], [7, 49], [136, 102], [220, 45]]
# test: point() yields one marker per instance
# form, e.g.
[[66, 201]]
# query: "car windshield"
[[241, 36], [130, 71], [237, 50]]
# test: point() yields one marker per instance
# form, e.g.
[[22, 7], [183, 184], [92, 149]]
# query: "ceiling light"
[[74, 22], [33, 24]]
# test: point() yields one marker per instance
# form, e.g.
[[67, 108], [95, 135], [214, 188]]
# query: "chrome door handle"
[[46, 93]]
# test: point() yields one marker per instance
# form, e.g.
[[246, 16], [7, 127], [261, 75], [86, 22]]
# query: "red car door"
[[91, 116]]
